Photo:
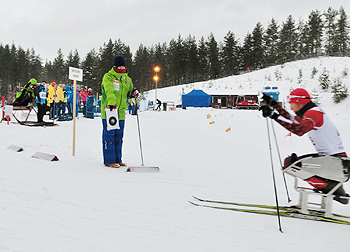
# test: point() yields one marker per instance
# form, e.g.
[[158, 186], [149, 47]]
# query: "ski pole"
[[138, 126], [279, 156], [273, 177]]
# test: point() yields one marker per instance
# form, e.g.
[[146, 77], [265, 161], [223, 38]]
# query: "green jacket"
[[116, 89], [27, 88]]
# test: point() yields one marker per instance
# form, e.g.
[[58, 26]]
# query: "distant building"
[[229, 100]]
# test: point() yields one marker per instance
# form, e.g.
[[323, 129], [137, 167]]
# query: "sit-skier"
[[321, 131]]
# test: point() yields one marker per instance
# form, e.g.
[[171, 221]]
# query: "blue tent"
[[196, 98]]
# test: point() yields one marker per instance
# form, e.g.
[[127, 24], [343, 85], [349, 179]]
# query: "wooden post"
[[75, 74], [74, 111]]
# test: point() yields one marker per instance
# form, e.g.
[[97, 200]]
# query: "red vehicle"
[[242, 103]]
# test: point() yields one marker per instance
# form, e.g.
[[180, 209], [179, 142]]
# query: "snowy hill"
[[303, 73], [77, 204]]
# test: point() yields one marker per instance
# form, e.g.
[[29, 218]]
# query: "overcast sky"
[[47, 25]]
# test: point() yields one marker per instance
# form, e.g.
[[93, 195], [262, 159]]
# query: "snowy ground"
[[77, 204]]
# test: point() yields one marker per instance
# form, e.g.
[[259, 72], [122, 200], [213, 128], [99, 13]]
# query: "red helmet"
[[299, 96]]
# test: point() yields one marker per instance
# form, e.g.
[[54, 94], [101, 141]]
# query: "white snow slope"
[[77, 204]]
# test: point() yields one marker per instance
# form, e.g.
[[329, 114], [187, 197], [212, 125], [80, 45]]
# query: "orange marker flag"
[[228, 129], [289, 134], [212, 122], [208, 116]]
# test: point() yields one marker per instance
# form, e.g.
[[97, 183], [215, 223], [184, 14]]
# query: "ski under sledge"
[[284, 208], [285, 211]]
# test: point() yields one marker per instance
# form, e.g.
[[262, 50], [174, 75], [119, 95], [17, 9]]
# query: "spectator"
[[83, 97], [159, 103], [90, 93], [40, 94], [60, 107], [51, 97], [69, 95]]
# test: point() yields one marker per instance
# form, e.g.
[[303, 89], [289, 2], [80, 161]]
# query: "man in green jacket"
[[116, 88]]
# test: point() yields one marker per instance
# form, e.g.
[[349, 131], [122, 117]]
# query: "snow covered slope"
[[77, 204], [303, 73]]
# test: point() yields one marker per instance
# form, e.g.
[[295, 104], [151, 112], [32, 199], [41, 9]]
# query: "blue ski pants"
[[112, 142]]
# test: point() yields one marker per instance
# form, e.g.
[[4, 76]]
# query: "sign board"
[[8, 110], [75, 74]]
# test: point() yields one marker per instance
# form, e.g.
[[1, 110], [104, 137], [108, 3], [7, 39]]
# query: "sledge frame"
[[30, 108], [15, 108], [329, 167]]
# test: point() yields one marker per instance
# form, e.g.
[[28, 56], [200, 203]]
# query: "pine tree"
[[258, 45], [342, 33], [36, 68], [142, 77], [180, 61], [287, 46], [324, 79], [14, 69], [213, 57], [230, 55], [89, 66], [106, 56], [203, 60], [48, 72], [271, 40], [303, 46], [23, 65], [247, 51], [192, 59], [340, 91], [330, 30], [315, 25], [5, 65], [73, 60], [59, 70], [315, 97]]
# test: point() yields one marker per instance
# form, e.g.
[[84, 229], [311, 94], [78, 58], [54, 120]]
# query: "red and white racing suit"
[[321, 131]]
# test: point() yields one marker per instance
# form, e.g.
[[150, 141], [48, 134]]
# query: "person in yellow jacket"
[[59, 101], [51, 97]]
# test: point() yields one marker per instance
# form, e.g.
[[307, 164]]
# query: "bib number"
[[42, 95]]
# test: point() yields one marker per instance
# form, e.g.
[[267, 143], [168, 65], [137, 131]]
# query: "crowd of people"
[[55, 99]]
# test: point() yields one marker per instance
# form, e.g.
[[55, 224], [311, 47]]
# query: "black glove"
[[111, 107], [267, 111], [268, 100]]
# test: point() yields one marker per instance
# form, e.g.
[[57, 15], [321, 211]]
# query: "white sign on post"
[[8, 110], [75, 74]]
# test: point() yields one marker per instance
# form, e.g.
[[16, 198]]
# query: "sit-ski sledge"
[[326, 167]]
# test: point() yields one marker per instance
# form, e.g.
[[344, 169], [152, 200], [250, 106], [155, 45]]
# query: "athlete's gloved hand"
[[267, 111], [268, 100], [111, 107]]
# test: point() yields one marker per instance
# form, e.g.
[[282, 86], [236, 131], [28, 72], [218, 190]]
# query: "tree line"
[[186, 60]]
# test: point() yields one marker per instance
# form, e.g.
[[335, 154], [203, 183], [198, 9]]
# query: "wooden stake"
[[74, 111]]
